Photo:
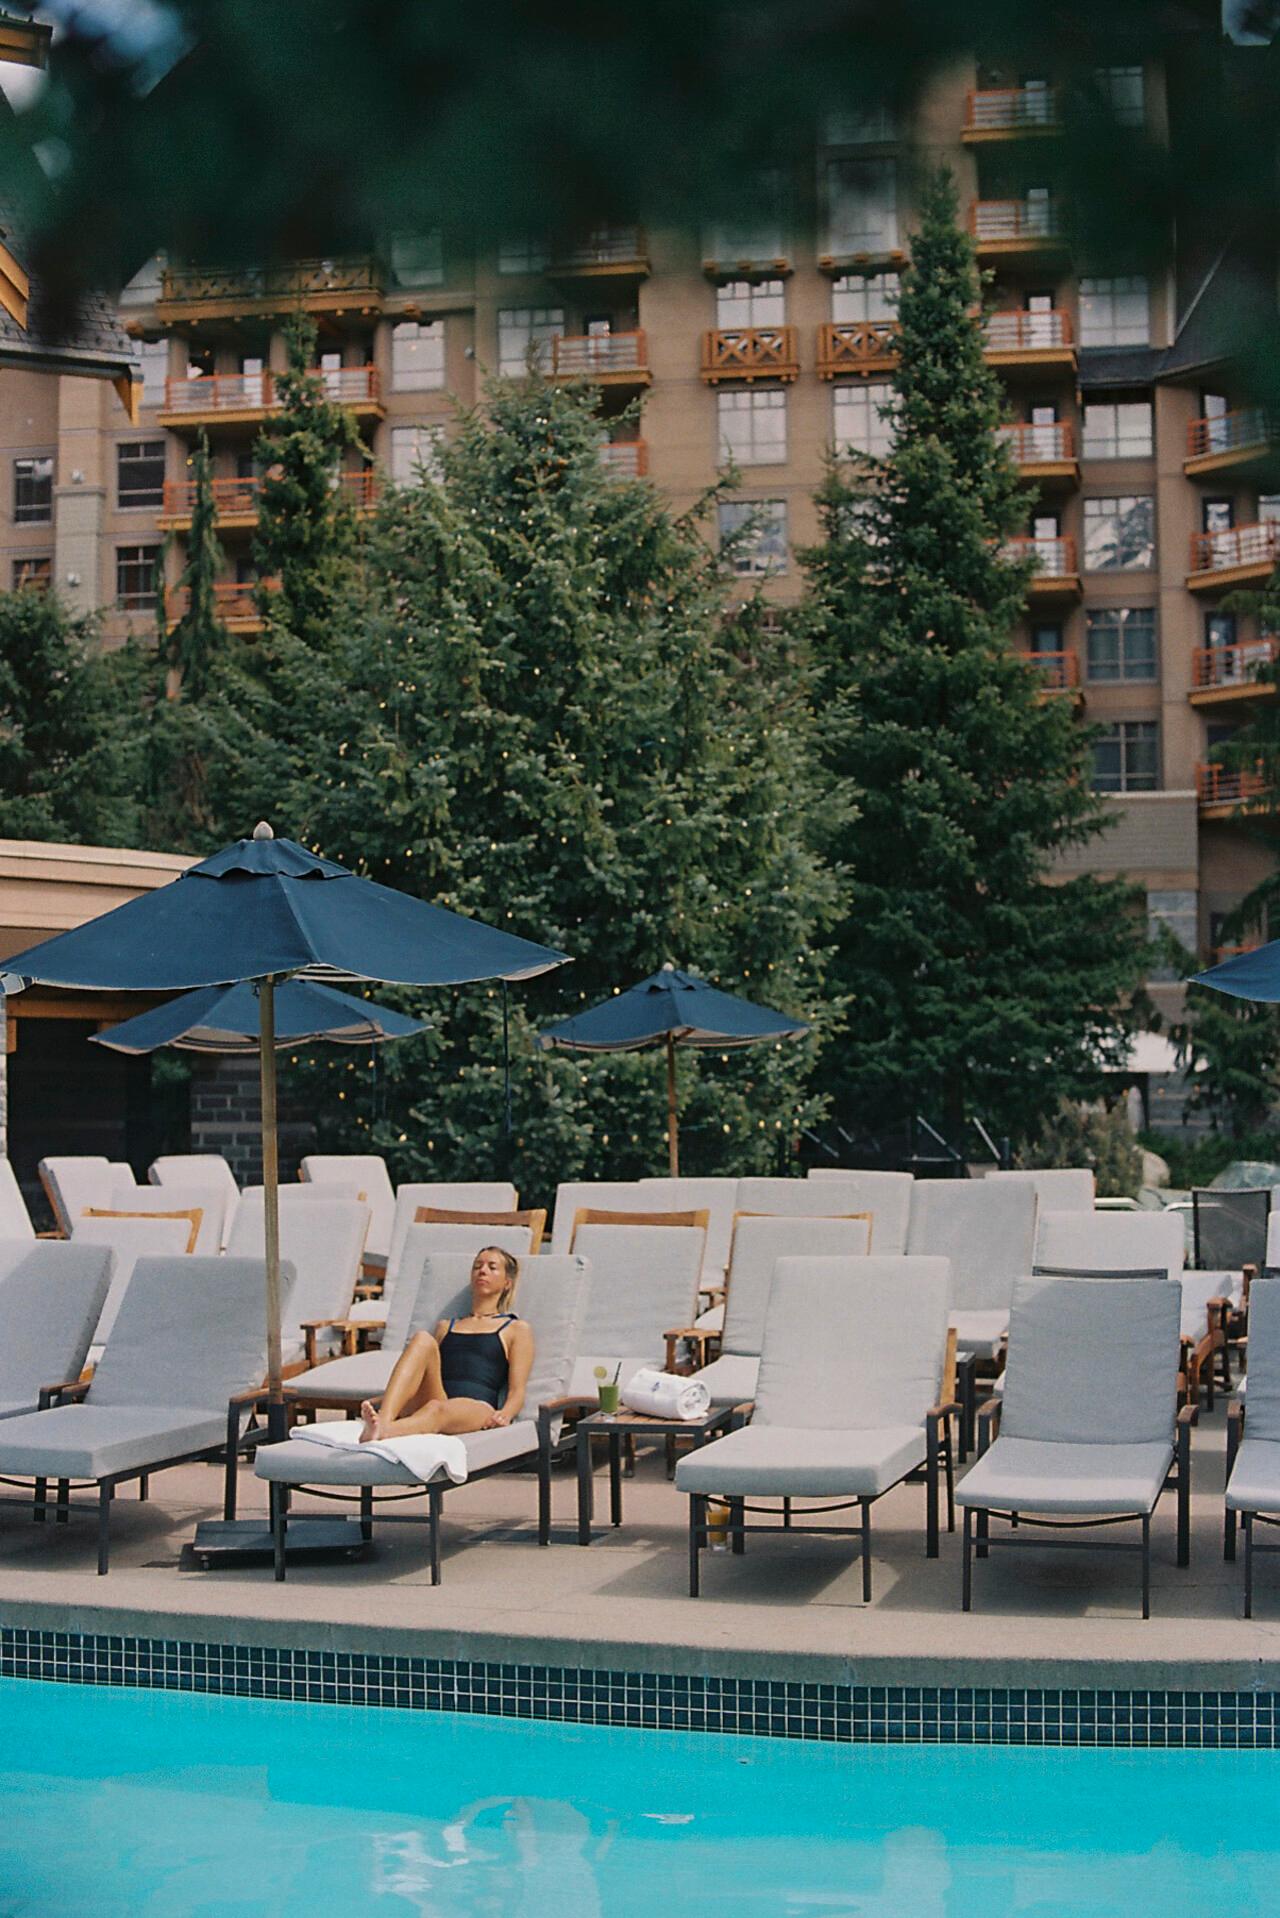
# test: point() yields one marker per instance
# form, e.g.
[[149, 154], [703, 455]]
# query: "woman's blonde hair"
[[510, 1265]]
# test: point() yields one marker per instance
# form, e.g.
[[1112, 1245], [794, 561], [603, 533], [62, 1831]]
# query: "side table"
[[638, 1426]]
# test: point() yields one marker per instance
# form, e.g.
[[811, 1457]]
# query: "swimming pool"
[[136, 1804]]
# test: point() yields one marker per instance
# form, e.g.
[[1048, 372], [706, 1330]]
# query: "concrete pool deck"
[[788, 1608]]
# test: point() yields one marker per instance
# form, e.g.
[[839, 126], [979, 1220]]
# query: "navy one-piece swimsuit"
[[473, 1365]]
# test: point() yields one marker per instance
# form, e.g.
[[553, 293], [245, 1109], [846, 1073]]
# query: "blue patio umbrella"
[[266, 909], [671, 1008], [227, 1019], [1246, 975]]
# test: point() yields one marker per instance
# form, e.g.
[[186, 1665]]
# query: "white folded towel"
[[664, 1396], [424, 1454]]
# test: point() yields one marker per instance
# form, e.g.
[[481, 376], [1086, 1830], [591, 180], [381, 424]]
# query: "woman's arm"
[[518, 1340]]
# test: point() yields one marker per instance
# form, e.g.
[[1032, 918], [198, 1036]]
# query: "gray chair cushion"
[[297, 1462], [360, 1375], [986, 1227], [1115, 1241], [1047, 1477], [93, 1441], [853, 1343], [980, 1332], [717, 1197], [731, 1379], [801, 1462], [1058, 1188], [413, 1248], [128, 1240], [189, 1332], [474, 1195], [322, 1240], [1092, 1362], [51, 1295], [758, 1243], [1254, 1485], [885, 1195], [644, 1279], [1264, 1360], [602, 1195], [583, 1380]]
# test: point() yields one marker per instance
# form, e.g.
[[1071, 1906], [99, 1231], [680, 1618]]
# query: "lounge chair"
[[718, 1198], [695, 1221], [130, 1239], [534, 1219], [199, 1169], [51, 1297], [551, 1298], [15, 1220], [368, 1173], [608, 1195], [1087, 1427], [987, 1228], [759, 1242], [462, 1195], [833, 1198], [188, 1341], [885, 1195], [323, 1242], [75, 1181], [1058, 1188], [1253, 1435], [373, 1313], [1230, 1230], [847, 1403], [204, 1205], [643, 1278]]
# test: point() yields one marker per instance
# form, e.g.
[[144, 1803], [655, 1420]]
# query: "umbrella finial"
[[668, 966], [263, 831]]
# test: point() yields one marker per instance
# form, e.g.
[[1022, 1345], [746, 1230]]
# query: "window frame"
[[1099, 293], [138, 599], [1133, 626], [754, 560], [543, 324], [1118, 501], [1112, 446], [751, 403], [409, 374], [1129, 734], [153, 496], [36, 511], [880, 409]]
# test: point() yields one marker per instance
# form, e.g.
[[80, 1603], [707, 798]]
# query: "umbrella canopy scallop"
[[227, 1019]]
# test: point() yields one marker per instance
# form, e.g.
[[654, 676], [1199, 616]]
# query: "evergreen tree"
[[977, 986], [541, 713], [199, 634]]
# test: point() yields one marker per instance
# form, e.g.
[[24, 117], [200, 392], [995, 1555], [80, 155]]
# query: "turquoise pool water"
[[135, 1804]]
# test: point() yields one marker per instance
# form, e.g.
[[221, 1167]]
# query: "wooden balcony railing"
[[1014, 222], [1049, 445], [751, 353], [1242, 663], [599, 355], [1011, 109], [1255, 545], [214, 393], [625, 459], [362, 485], [1051, 558], [229, 496], [604, 247], [1019, 332], [857, 346], [1058, 672], [298, 283], [1228, 785], [1250, 426], [234, 601], [1218, 953]]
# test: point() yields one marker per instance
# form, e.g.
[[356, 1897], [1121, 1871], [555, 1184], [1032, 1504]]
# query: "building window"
[[861, 297], [522, 253], [137, 584], [742, 303], [140, 473], [1126, 757], [1122, 89], [753, 535], [1118, 430], [1047, 637], [154, 356], [862, 206], [1121, 643], [759, 231], [753, 426], [418, 259], [1119, 534], [1219, 629], [417, 356], [869, 126], [32, 492], [415, 454], [864, 420], [525, 331], [1115, 312], [34, 570]]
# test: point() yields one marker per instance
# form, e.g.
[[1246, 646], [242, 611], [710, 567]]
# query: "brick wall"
[[225, 1110]]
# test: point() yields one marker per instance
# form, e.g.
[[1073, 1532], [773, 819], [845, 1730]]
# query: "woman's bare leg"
[[415, 1382], [438, 1415]]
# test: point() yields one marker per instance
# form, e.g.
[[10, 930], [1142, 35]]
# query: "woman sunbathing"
[[467, 1375]]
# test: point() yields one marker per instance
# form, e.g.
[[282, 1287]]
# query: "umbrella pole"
[[271, 1202], [673, 1136], [506, 1082]]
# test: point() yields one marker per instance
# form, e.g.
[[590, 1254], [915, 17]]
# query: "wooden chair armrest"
[[988, 1423], [54, 1232], [742, 1414], [368, 1289], [713, 1294], [310, 1327], [1188, 1415], [68, 1392], [701, 1336]]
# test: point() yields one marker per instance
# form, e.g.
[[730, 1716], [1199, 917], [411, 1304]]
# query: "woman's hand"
[[499, 1418]]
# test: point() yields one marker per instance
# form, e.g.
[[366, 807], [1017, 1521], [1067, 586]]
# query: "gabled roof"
[[94, 345]]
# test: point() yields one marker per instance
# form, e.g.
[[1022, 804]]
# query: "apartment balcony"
[[856, 346], [625, 459], [1044, 453], [1230, 441], [1022, 228], [751, 353], [1237, 556], [1033, 340], [227, 401], [1218, 953], [191, 293], [1221, 675], [1057, 673], [606, 253], [234, 602], [1224, 791], [1054, 571], [1010, 113], [607, 359], [236, 500]]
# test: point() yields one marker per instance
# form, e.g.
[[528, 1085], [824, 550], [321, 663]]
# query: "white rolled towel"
[[664, 1396], [424, 1454]]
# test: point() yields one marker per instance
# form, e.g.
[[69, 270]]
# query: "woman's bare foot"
[[369, 1413]]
